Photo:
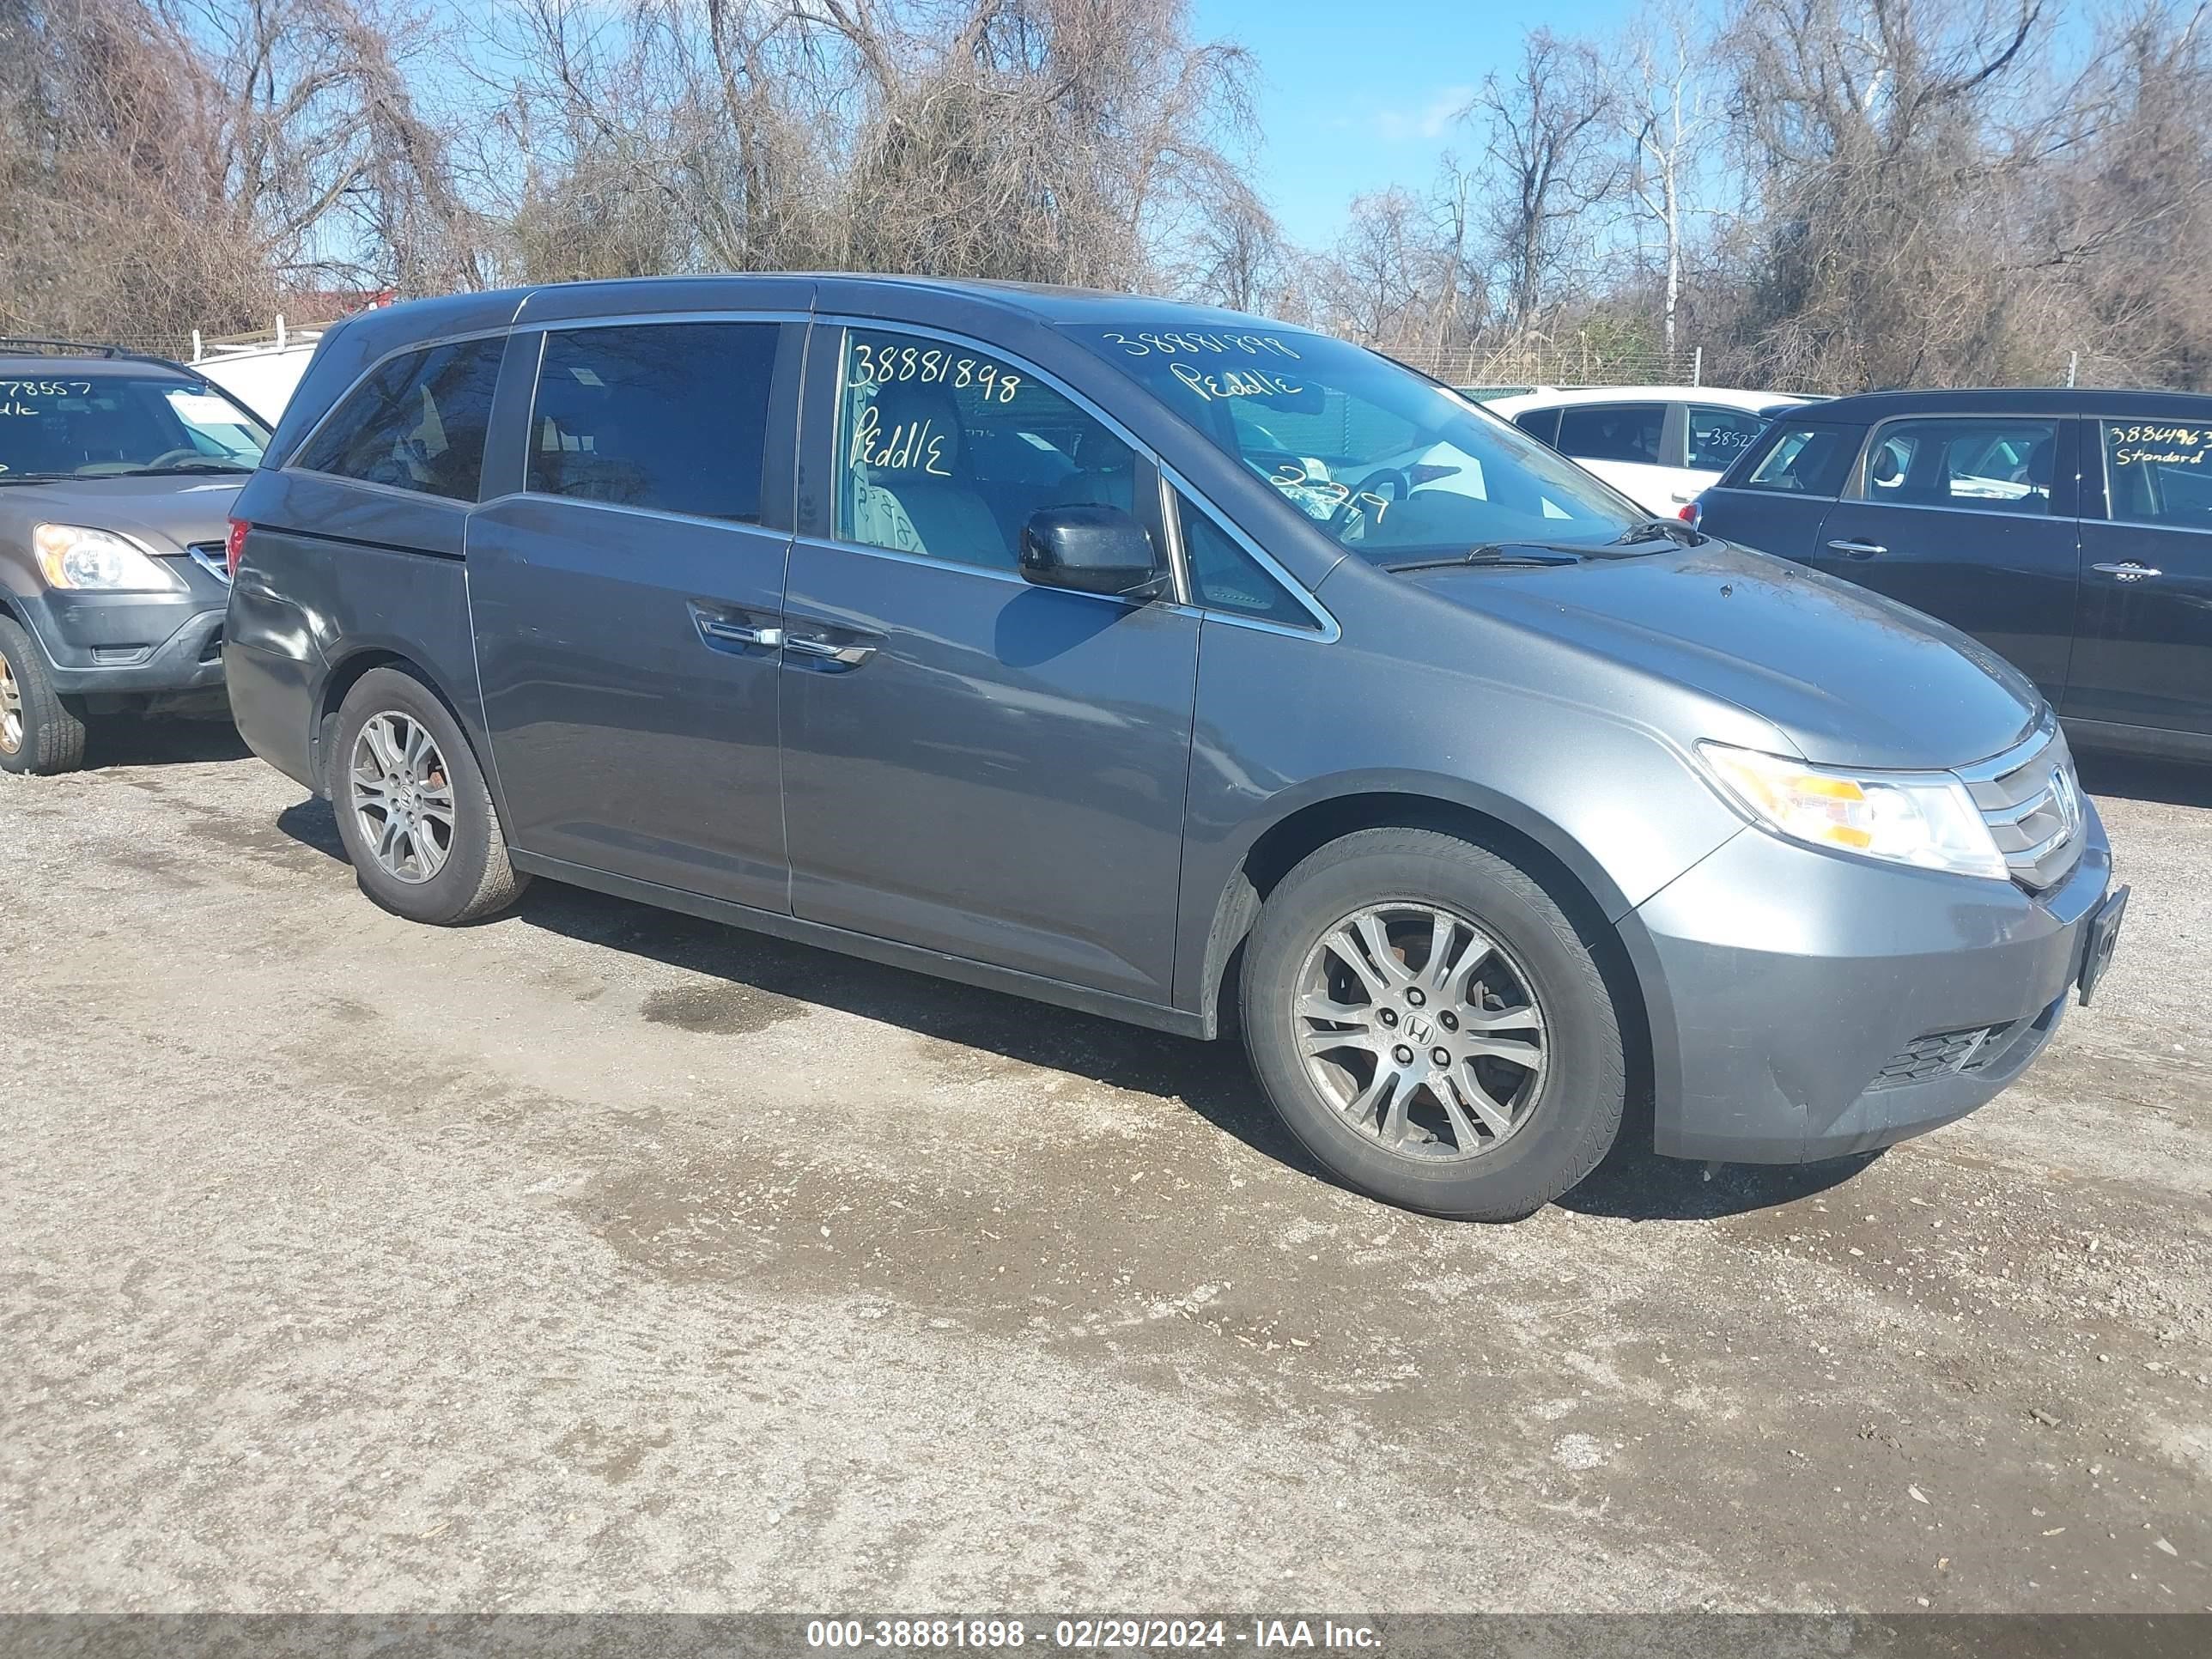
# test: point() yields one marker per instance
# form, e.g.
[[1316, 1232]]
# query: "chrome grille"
[[2032, 801], [212, 557]]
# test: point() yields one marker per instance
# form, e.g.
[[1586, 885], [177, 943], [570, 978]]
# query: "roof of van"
[[829, 291], [1865, 406]]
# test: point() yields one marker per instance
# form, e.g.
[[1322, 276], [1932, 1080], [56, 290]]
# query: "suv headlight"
[[1923, 818], [76, 557]]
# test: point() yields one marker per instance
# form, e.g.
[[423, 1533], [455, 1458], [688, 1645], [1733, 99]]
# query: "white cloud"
[[1430, 121]]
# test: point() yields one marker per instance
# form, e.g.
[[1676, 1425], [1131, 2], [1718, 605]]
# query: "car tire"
[[1515, 1008], [40, 731], [444, 860]]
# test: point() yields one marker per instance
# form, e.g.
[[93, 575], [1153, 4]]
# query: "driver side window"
[[945, 451]]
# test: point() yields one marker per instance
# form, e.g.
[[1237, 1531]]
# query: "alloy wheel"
[[11, 710], [1421, 1030], [401, 796]]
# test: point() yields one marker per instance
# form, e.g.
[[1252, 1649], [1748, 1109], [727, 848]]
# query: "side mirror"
[[1090, 550]]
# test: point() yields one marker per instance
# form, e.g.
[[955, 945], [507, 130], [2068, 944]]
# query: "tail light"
[[234, 549], [1692, 514]]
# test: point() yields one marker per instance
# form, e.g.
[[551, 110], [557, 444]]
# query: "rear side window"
[[2156, 473], [1542, 424], [1613, 431], [1999, 465], [416, 422], [671, 417], [1805, 460], [1718, 435]]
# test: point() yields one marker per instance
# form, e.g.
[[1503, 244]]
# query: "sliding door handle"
[[2127, 571], [736, 633], [1856, 549], [813, 645]]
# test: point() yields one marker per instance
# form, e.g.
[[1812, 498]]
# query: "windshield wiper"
[[1673, 529], [30, 478], [1488, 553], [189, 467]]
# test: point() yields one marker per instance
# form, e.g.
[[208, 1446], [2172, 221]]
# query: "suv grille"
[[2030, 798], [212, 557]]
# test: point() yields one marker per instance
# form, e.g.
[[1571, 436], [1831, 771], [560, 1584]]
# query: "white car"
[[1660, 445], [263, 377]]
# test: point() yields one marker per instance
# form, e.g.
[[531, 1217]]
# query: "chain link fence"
[[1531, 361]]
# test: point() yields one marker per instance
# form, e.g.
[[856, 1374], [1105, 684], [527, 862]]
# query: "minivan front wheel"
[[412, 806], [1431, 1027]]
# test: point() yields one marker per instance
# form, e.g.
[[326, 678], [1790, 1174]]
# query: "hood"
[[1851, 678], [165, 514]]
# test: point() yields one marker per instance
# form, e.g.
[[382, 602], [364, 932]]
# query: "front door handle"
[[2127, 571], [1854, 550], [813, 645]]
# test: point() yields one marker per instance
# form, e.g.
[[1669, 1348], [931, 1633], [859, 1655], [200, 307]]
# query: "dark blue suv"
[[2068, 529]]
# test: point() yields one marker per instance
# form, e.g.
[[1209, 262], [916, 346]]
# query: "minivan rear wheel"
[[1431, 1026], [412, 806]]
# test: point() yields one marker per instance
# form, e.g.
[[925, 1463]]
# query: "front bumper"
[[1805, 1006], [132, 642]]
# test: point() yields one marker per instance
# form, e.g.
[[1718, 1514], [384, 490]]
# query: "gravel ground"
[[600, 1258]]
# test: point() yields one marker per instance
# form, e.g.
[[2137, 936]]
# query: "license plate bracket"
[[2099, 940]]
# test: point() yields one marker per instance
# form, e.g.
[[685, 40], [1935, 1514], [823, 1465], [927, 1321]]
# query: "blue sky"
[[1358, 98]]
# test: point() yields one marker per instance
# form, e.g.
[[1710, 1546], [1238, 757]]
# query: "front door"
[[971, 764], [1972, 520], [2144, 658], [626, 604]]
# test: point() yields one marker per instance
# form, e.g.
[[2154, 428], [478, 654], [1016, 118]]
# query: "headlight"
[[1923, 818], [75, 556]]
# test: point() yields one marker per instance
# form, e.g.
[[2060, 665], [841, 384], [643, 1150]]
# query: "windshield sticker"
[[203, 409]]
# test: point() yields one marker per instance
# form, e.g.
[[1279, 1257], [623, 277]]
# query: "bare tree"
[[1887, 138], [178, 163], [1081, 141], [1668, 115], [1542, 133]]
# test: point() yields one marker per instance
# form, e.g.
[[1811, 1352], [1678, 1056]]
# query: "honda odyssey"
[[1183, 667]]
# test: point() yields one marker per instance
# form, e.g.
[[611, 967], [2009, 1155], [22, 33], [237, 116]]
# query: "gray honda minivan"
[[1176, 666]]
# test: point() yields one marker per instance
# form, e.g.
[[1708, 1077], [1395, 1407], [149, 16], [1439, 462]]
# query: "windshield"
[[57, 424], [1389, 464]]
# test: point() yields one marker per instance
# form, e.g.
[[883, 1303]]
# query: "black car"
[[2068, 529]]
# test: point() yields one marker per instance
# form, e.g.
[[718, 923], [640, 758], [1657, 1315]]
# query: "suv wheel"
[[1431, 1027], [412, 807], [39, 731]]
